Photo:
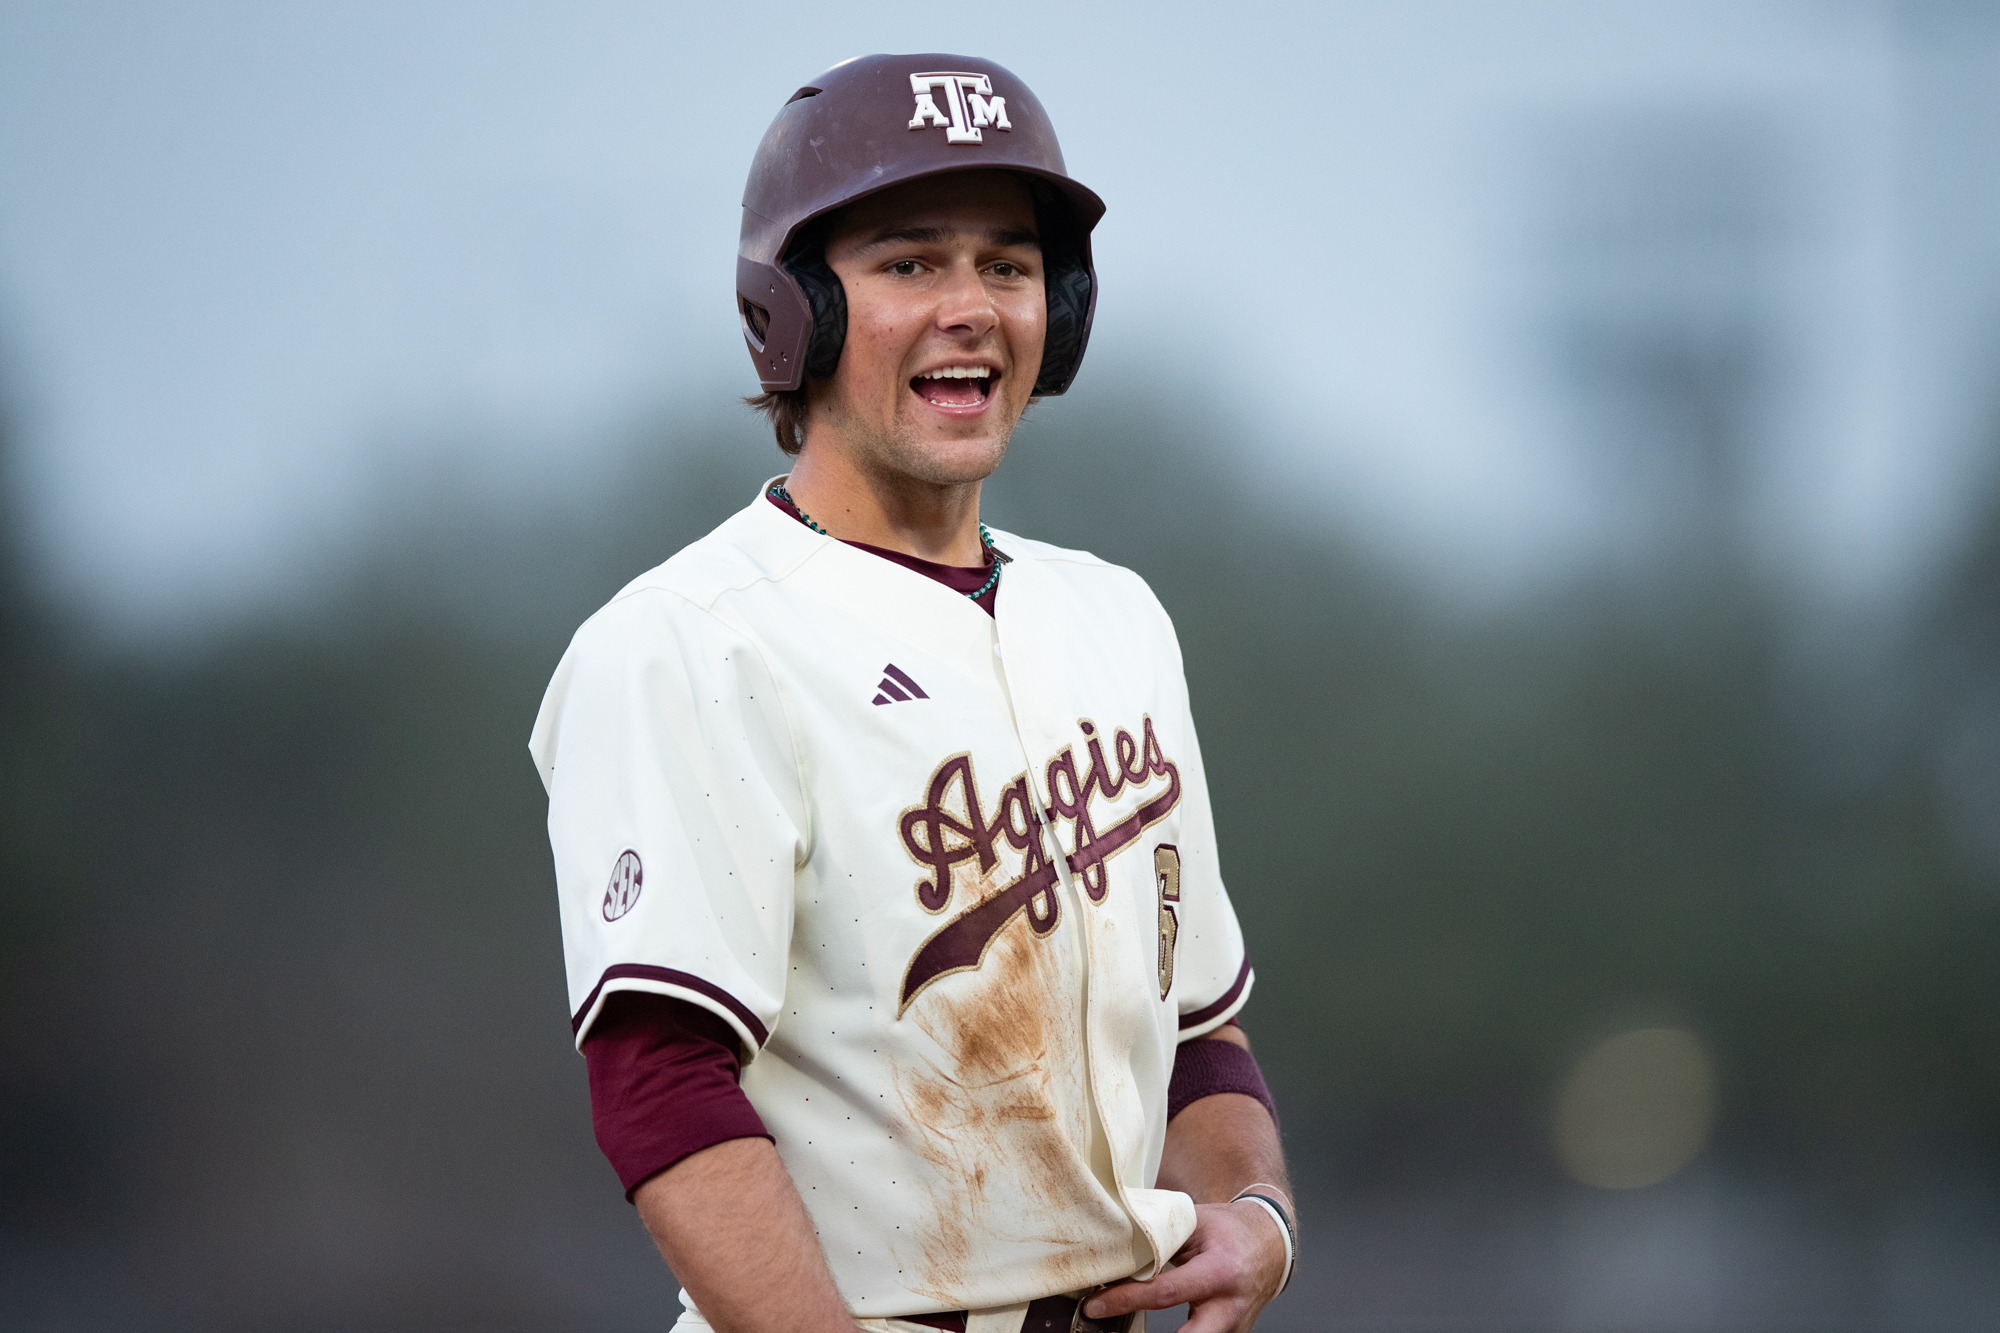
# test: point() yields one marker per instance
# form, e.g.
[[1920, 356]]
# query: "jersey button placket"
[[1087, 923]]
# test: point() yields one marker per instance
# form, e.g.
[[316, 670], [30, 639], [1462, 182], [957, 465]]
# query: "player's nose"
[[965, 308]]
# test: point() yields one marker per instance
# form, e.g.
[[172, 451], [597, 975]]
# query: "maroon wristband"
[[1206, 1066]]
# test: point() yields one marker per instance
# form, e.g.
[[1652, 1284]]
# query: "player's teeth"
[[960, 373]]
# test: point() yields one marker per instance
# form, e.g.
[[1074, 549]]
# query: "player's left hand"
[[1229, 1270]]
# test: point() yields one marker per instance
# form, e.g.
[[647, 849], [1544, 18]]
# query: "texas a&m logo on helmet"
[[968, 98]]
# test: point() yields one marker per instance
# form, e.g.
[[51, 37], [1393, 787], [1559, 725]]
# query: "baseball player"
[[897, 942]]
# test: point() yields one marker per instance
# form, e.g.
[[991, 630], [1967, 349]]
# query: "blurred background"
[[1566, 435]]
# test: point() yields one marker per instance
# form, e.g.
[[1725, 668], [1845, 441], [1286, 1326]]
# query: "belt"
[[1050, 1314]]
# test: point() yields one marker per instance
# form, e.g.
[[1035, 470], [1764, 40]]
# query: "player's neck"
[[895, 511]]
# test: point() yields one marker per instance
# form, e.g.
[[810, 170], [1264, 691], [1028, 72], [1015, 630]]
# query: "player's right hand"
[[1226, 1274]]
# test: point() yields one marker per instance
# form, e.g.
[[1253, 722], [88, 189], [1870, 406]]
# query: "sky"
[[255, 259]]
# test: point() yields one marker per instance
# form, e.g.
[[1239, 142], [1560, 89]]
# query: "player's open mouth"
[[958, 388]]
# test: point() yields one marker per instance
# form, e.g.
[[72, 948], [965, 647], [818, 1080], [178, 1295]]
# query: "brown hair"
[[786, 411]]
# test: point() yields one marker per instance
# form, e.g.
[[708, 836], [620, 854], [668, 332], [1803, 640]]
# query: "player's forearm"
[[729, 1222], [1218, 1145]]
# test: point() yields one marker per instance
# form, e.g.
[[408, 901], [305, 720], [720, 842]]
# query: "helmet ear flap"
[[828, 299], [1067, 286]]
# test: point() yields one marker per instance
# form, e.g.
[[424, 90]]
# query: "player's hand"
[[1229, 1270]]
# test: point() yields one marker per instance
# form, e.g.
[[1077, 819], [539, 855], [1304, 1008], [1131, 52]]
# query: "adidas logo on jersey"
[[897, 687]]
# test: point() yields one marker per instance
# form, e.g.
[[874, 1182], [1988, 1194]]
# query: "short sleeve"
[[675, 813], [1212, 975]]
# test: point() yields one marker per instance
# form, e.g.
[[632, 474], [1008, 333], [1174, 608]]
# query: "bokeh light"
[[1636, 1109]]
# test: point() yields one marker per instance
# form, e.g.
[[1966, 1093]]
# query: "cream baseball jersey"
[[951, 877]]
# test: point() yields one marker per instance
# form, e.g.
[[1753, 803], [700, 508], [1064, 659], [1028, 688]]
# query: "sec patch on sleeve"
[[622, 895]]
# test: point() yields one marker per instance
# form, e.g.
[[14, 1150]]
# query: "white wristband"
[[1277, 1212]]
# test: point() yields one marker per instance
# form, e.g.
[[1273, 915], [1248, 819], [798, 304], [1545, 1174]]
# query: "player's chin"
[[968, 448], [953, 458]]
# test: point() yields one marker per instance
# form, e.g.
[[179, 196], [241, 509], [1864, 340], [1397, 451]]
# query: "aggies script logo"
[[968, 97], [950, 829]]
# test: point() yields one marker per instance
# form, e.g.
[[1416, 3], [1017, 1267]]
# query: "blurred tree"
[[42, 1104]]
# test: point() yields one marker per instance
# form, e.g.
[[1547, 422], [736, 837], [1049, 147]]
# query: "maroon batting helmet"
[[868, 124]]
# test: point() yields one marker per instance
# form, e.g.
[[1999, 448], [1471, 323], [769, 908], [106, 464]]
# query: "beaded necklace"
[[779, 493]]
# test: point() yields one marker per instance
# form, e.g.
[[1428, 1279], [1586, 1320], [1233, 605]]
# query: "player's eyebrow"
[[1003, 236]]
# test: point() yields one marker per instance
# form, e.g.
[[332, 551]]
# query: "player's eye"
[[904, 268]]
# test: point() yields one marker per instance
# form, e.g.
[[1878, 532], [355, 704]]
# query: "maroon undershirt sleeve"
[[663, 1084]]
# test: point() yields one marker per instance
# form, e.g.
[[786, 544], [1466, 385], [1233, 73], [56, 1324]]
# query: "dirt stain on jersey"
[[1007, 1105]]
